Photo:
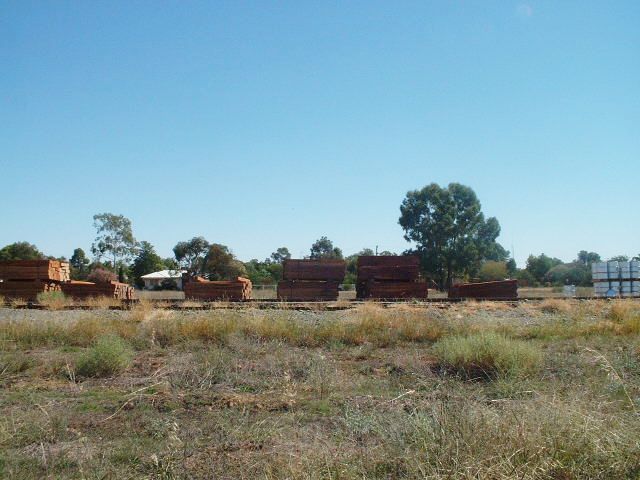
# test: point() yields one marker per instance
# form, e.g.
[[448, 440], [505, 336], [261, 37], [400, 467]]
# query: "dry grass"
[[555, 306], [351, 394], [142, 310], [368, 324], [159, 295], [54, 300], [101, 302]]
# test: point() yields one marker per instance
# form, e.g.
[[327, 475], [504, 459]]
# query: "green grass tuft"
[[109, 355], [487, 355]]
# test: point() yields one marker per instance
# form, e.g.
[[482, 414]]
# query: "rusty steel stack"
[[26, 279], [390, 277], [236, 290], [501, 289], [309, 280]]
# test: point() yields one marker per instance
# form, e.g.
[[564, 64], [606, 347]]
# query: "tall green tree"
[[492, 270], [20, 251], [492, 250], [191, 254], [280, 255], [352, 264], [114, 238], [450, 231], [263, 273], [538, 266], [79, 265], [587, 258], [323, 248], [619, 258], [170, 263], [221, 264], [512, 267], [575, 273], [147, 261]]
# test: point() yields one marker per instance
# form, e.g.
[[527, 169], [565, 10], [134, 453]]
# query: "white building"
[[155, 279]]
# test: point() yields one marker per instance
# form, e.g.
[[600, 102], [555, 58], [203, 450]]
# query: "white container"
[[606, 289], [601, 276], [630, 269], [605, 266], [605, 270], [630, 293]]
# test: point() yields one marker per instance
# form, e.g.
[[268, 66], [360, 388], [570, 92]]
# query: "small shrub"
[[622, 311], [555, 306], [487, 355], [102, 302], [17, 302], [625, 316], [142, 310], [101, 275], [15, 362], [108, 356]]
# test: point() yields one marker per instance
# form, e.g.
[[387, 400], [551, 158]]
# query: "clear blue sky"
[[267, 124]]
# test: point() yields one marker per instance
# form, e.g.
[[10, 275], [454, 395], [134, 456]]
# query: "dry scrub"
[[368, 393]]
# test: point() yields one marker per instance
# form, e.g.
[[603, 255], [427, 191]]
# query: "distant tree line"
[[446, 226]]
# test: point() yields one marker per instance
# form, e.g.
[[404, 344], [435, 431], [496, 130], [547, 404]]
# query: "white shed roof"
[[163, 274]]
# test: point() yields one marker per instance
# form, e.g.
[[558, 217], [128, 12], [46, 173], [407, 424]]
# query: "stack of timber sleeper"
[[43, 270], [206, 290], [497, 289], [26, 279], [83, 290], [390, 278], [26, 289], [311, 280]]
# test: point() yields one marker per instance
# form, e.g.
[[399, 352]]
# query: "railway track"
[[189, 305]]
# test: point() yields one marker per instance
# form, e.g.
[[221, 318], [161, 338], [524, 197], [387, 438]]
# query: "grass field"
[[540, 390]]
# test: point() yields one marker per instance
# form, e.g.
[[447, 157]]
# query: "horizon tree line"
[[446, 226]]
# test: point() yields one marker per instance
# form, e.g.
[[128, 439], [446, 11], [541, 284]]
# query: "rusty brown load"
[[43, 270], [83, 290], [501, 289], [236, 290], [389, 277], [311, 279], [26, 279]]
